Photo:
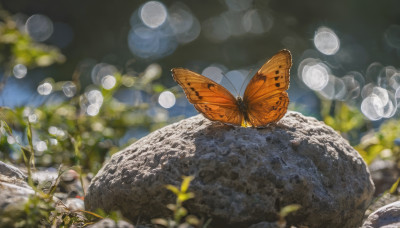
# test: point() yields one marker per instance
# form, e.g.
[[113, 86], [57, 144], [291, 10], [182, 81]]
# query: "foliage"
[[73, 136], [343, 118], [179, 212], [285, 211], [17, 47], [383, 143], [349, 122]]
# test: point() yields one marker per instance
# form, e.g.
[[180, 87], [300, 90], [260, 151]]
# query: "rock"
[[384, 174], [11, 171], [385, 217], [265, 225], [243, 176], [109, 223], [44, 179], [14, 194], [69, 182], [381, 201], [75, 204]]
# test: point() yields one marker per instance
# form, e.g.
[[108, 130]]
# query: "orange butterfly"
[[265, 99]]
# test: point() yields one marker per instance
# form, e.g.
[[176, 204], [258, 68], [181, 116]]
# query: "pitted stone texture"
[[14, 193], [11, 171], [243, 176], [108, 223], [385, 217]]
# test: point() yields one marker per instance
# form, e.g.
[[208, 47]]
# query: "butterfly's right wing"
[[265, 95], [208, 97]]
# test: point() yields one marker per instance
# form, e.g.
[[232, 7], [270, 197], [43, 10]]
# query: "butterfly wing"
[[265, 95], [208, 97]]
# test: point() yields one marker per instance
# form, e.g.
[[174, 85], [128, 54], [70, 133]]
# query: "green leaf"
[[173, 189], [394, 187], [172, 207], [6, 127], [289, 209], [186, 182], [185, 196], [67, 220], [160, 221], [181, 212], [192, 220]]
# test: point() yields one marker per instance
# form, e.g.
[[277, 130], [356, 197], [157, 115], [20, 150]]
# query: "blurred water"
[[352, 58]]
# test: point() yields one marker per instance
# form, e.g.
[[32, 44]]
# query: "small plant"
[[383, 143], [285, 211], [343, 118], [179, 212]]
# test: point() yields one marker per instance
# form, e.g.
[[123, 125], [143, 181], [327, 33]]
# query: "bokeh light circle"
[[153, 14], [45, 89], [214, 73], [41, 146], [372, 107], [39, 27], [314, 73], [100, 71], [108, 82], [95, 97], [69, 89], [334, 89], [93, 109], [167, 99], [20, 71], [326, 41]]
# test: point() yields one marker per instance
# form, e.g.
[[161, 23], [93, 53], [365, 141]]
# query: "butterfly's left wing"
[[265, 95], [208, 97]]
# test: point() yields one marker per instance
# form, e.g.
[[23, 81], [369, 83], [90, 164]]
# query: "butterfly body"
[[264, 101], [243, 111]]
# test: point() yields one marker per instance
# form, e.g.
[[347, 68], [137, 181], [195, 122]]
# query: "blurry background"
[[339, 47], [345, 54]]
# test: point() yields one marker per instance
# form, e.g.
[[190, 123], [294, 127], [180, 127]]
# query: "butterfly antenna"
[[230, 82], [245, 80]]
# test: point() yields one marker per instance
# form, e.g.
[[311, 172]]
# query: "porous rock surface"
[[14, 193], [243, 176], [385, 217], [108, 223]]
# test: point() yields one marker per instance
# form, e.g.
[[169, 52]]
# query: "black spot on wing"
[[210, 85], [278, 85], [277, 72]]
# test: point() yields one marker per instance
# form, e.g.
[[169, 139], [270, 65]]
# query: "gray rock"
[[384, 173], [14, 193], [44, 179], [385, 217], [243, 176], [265, 225], [11, 171], [381, 201], [109, 223]]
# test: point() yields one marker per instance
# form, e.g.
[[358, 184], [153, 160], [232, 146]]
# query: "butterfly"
[[265, 99]]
